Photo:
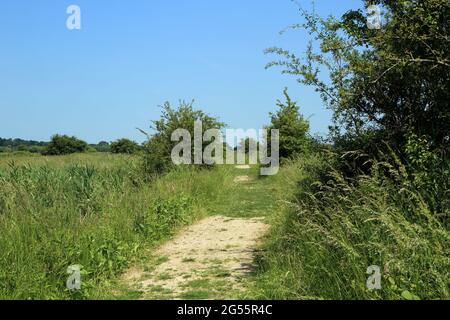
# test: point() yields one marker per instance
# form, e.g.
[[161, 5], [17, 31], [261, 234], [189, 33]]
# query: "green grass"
[[326, 234], [196, 295], [93, 210], [256, 198]]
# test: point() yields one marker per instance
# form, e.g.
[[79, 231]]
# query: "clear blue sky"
[[102, 81]]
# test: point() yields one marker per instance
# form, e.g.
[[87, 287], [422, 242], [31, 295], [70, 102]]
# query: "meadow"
[[92, 210], [328, 229], [373, 192], [97, 211]]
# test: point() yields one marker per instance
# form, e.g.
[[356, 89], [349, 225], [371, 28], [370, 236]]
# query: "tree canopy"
[[158, 148], [125, 146], [292, 126], [63, 144], [383, 84]]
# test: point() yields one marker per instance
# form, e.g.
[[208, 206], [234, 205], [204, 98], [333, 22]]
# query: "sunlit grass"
[[93, 210]]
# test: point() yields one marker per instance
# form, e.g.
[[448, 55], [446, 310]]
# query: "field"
[[96, 211], [359, 138], [91, 210], [327, 233]]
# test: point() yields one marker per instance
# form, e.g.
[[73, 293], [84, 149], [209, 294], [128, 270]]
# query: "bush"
[[292, 126], [158, 148], [125, 146], [392, 83], [102, 146], [62, 144]]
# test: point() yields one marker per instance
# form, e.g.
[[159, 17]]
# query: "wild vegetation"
[[94, 211], [376, 192], [124, 146], [293, 127], [378, 195], [158, 148]]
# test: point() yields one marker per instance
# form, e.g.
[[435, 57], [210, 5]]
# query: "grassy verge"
[[253, 198], [89, 210], [325, 235]]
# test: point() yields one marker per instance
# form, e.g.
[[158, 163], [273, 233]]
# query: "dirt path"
[[208, 260]]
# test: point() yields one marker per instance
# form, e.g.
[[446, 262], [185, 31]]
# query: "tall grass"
[[330, 232], [95, 211]]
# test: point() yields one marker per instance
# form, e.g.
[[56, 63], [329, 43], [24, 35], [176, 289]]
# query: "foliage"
[[331, 230], [85, 209], [383, 200], [124, 146], [245, 144], [63, 144], [102, 146], [158, 148], [12, 145], [164, 216], [430, 173], [292, 126], [392, 80]]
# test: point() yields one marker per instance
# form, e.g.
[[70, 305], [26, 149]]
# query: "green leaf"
[[409, 296]]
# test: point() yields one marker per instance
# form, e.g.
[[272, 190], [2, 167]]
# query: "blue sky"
[[103, 81]]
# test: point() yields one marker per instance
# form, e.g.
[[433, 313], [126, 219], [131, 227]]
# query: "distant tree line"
[[63, 144], [10, 145]]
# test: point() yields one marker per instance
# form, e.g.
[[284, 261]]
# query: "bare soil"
[[213, 255]]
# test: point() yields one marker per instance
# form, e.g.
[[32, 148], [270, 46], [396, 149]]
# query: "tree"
[[102, 146], [124, 146], [381, 84], [158, 148], [63, 144], [293, 127], [246, 143]]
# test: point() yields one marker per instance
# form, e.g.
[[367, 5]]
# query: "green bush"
[[156, 157], [293, 128], [388, 81], [102, 146], [62, 144], [125, 146], [164, 216]]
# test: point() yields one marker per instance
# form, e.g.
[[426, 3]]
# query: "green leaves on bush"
[[125, 146], [386, 81], [62, 144], [158, 148], [293, 128]]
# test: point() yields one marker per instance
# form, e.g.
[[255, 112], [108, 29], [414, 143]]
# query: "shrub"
[[164, 216], [157, 150], [391, 83], [62, 144], [125, 146], [292, 126], [102, 146], [244, 145]]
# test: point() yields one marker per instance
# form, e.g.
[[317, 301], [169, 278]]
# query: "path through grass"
[[214, 258]]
